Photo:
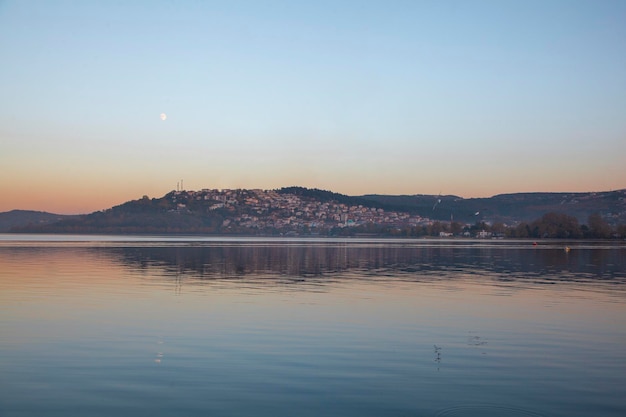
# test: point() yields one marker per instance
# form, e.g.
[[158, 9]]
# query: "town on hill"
[[298, 211]]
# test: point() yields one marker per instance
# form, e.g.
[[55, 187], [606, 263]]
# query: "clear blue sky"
[[472, 98]]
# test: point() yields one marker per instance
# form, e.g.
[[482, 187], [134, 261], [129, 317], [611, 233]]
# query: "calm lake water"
[[145, 326]]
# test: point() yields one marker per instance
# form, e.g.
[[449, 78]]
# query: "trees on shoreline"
[[550, 225]]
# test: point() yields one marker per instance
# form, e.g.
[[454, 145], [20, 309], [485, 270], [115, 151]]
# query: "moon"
[[163, 116]]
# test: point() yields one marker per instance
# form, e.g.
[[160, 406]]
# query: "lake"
[[188, 326]]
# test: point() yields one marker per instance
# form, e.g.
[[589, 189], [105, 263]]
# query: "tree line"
[[550, 225]]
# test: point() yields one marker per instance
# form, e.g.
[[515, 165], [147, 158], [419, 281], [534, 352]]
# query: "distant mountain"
[[510, 208], [301, 210], [23, 218]]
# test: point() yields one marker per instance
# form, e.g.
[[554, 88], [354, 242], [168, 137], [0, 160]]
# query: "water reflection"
[[341, 329], [326, 263], [603, 266]]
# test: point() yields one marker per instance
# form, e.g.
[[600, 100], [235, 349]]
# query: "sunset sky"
[[472, 98]]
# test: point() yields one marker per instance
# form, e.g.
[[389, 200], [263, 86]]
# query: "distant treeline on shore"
[[550, 225]]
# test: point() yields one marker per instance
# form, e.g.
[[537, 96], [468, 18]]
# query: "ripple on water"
[[487, 410]]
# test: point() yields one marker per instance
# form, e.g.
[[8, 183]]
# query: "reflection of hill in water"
[[538, 265]]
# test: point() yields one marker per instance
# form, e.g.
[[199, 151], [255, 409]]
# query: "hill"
[[273, 212], [511, 208], [22, 218], [298, 210]]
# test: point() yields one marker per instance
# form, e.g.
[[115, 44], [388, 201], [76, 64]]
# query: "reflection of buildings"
[[347, 260]]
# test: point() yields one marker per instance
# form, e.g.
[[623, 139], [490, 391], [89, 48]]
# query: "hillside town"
[[269, 209]]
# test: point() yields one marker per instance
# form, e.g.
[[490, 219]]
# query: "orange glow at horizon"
[[54, 196], [76, 199]]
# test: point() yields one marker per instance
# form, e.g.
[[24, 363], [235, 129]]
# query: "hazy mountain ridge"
[[15, 218], [303, 210], [512, 208]]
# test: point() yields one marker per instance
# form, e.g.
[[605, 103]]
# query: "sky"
[[468, 98]]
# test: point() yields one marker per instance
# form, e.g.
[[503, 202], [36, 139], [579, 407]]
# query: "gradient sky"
[[472, 98]]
